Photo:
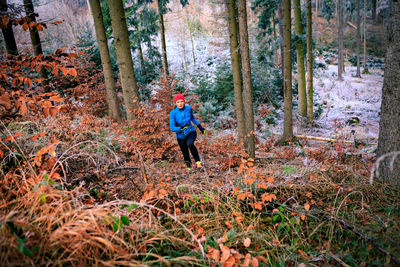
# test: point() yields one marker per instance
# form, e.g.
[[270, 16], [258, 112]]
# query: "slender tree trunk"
[[124, 57], [358, 37], [374, 11], [340, 41], [301, 75], [162, 33], [246, 74], [35, 39], [8, 33], [310, 90], [193, 52], [287, 81], [365, 37], [389, 125], [112, 100], [34, 33], [235, 61], [280, 16], [276, 59], [141, 59], [316, 8]]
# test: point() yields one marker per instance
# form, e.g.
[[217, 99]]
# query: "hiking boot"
[[199, 165]]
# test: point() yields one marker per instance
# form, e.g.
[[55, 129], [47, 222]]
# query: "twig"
[[336, 258]]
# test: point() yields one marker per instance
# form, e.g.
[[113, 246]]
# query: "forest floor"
[[79, 190]]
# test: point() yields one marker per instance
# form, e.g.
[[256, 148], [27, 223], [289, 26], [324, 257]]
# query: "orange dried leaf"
[[229, 262], [229, 225], [72, 72], [23, 110], [56, 98], [35, 137], [307, 206], [42, 134], [247, 242], [302, 217], [254, 262], [270, 179], [224, 238]]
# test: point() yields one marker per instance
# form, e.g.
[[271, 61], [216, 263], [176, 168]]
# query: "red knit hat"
[[178, 96]]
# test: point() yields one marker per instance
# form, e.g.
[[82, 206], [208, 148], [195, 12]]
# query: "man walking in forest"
[[180, 121]]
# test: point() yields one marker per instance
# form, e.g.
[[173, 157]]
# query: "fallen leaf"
[[247, 242], [307, 206]]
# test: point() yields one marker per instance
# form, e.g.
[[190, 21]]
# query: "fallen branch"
[[365, 237], [322, 139]]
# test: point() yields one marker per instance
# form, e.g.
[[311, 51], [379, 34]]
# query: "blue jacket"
[[179, 119]]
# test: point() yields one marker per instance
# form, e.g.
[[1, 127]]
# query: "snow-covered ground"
[[354, 99], [341, 102]]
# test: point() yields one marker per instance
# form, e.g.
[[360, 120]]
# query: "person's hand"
[[202, 130]]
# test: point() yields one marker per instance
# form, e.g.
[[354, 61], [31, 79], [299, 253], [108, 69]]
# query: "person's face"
[[180, 104]]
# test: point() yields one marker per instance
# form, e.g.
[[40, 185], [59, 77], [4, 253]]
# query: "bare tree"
[[389, 125], [235, 61], [340, 40], [301, 75], [124, 57], [358, 39], [310, 100], [246, 74], [162, 33], [287, 80], [8, 33], [112, 101]]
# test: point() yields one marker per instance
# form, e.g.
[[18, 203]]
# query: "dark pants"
[[185, 145]]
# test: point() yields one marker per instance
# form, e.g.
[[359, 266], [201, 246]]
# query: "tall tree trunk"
[[280, 17], [389, 125], [235, 61], [124, 57], [340, 41], [373, 10], [276, 59], [301, 75], [246, 74], [112, 100], [365, 38], [35, 38], [141, 59], [8, 33], [310, 90], [358, 37], [162, 33], [316, 8], [287, 81]]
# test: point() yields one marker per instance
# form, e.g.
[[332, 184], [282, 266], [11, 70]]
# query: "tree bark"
[[373, 10], [389, 125], [287, 81], [280, 17], [235, 61], [162, 33], [112, 100], [365, 38], [340, 41], [141, 59], [35, 38], [301, 75], [124, 57], [310, 90], [246, 74], [358, 39], [8, 33]]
